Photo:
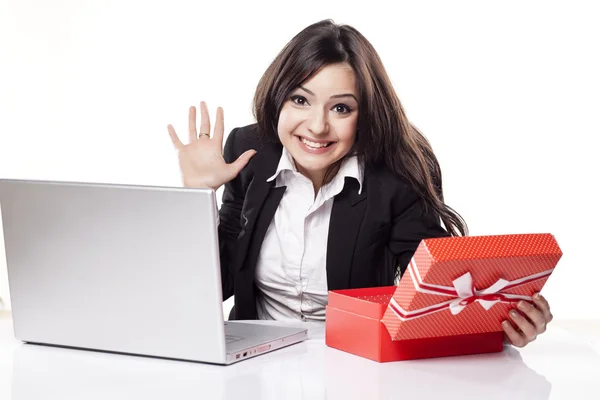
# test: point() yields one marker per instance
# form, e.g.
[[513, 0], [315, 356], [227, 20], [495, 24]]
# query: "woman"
[[332, 188]]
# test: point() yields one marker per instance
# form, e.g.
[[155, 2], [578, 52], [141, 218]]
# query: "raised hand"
[[201, 160]]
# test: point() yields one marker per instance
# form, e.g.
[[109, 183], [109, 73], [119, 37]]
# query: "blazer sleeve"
[[412, 222], [229, 219]]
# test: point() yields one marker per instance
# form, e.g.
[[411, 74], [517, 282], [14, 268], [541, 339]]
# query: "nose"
[[318, 124]]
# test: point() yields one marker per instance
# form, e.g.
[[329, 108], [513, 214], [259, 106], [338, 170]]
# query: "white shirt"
[[291, 269]]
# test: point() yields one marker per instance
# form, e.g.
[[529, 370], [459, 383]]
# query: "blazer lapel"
[[346, 216], [265, 216], [260, 203]]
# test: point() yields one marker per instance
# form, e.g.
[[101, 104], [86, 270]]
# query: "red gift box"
[[451, 300]]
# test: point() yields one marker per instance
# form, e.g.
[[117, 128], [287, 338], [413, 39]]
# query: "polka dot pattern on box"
[[380, 299], [487, 259]]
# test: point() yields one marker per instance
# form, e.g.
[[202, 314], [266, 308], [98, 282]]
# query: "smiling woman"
[[331, 188]]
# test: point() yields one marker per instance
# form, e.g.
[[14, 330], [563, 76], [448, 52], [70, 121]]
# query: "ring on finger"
[[202, 134]]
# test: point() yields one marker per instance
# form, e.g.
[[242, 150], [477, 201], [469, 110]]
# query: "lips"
[[314, 144], [315, 147]]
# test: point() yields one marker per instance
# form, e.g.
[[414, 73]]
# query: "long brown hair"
[[384, 134]]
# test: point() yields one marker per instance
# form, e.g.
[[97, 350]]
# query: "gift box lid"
[[447, 275]]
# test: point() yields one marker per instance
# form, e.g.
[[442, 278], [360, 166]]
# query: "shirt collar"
[[286, 163], [350, 168]]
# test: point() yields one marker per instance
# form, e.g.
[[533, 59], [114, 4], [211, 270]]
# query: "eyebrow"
[[335, 96]]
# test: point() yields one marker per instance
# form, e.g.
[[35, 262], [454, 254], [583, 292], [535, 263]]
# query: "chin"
[[314, 165]]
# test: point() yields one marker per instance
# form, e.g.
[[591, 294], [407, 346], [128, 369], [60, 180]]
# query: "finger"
[[541, 303], [240, 163], [535, 315], [174, 138], [528, 329], [192, 124], [204, 120], [219, 126], [514, 337]]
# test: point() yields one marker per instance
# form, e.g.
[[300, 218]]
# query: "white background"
[[507, 93]]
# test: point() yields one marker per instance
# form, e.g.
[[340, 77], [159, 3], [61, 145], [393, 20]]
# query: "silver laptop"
[[123, 268]]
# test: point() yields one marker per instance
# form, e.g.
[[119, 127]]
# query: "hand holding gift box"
[[451, 300]]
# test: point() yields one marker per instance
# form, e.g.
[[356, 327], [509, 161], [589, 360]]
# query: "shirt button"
[[303, 317]]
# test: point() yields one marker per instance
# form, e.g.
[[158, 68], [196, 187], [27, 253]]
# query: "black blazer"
[[371, 235]]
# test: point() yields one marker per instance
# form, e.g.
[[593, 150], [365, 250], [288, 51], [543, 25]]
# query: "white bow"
[[467, 293]]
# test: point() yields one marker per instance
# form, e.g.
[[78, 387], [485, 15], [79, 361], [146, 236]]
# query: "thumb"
[[241, 162]]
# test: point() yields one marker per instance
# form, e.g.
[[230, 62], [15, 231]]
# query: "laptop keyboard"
[[232, 338]]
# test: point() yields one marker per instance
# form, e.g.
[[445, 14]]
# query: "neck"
[[318, 178]]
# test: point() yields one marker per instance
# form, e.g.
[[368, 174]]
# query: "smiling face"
[[317, 123]]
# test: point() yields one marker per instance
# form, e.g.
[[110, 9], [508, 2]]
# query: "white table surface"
[[564, 363]]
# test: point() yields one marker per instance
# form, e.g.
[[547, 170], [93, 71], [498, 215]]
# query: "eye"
[[342, 109], [299, 100]]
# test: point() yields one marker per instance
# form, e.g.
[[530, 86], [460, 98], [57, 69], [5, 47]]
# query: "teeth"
[[313, 144]]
